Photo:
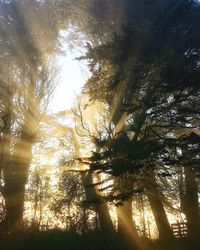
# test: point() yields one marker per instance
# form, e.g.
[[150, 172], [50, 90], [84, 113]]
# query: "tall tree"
[[152, 80], [28, 85]]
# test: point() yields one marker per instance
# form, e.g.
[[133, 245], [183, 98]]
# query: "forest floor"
[[62, 240]]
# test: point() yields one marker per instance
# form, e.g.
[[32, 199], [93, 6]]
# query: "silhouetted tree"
[[150, 75]]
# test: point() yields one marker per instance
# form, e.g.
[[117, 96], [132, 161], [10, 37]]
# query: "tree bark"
[[162, 223], [14, 204], [191, 203], [15, 178], [93, 195], [126, 226], [101, 207]]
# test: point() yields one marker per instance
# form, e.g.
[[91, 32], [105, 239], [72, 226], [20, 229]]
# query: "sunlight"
[[99, 124], [72, 76], [128, 227]]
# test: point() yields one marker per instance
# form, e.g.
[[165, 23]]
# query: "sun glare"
[[99, 124], [72, 76]]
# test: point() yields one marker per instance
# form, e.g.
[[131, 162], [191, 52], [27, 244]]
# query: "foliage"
[[162, 87]]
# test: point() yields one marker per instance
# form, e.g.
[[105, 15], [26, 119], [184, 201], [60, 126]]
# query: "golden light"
[[72, 76]]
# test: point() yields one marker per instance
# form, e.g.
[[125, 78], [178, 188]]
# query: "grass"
[[57, 240], [70, 240]]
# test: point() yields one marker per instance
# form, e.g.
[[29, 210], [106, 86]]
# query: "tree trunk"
[[126, 226], [92, 194], [191, 203], [162, 223], [101, 207], [14, 204], [15, 178]]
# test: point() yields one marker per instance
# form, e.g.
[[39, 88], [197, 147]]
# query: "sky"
[[72, 76]]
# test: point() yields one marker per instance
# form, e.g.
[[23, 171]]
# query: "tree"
[[93, 196], [153, 79], [28, 84]]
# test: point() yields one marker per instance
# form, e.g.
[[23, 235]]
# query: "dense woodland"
[[124, 172]]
